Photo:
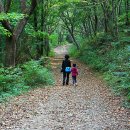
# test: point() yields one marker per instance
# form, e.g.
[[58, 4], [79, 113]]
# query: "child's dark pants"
[[74, 79]]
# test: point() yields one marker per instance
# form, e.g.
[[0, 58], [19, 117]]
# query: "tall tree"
[[16, 31], [127, 8]]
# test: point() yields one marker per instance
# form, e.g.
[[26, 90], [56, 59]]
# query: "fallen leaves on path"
[[88, 106]]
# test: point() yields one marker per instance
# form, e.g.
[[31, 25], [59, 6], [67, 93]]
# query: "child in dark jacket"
[[74, 72]]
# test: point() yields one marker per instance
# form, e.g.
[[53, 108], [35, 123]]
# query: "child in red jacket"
[[74, 72]]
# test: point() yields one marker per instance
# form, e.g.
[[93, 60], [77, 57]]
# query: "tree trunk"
[[60, 37], [92, 26], [47, 46], [74, 40], [105, 13], [114, 30], [43, 26], [96, 23], [127, 11], [119, 7], [1, 49], [95, 18], [10, 54], [16, 32], [71, 31], [35, 21], [85, 28]]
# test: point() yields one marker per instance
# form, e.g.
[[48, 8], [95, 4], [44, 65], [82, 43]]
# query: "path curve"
[[88, 106]]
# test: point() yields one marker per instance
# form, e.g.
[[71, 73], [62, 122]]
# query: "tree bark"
[[85, 28], [127, 11], [7, 6], [43, 28], [47, 47], [105, 19], [95, 17], [10, 53], [114, 13], [35, 21]]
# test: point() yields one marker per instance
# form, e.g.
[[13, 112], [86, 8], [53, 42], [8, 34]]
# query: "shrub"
[[14, 81], [73, 51], [51, 53], [11, 82], [111, 59], [9, 78], [92, 59], [35, 74]]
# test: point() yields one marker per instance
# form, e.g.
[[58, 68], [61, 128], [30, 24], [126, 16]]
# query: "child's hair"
[[74, 65], [67, 56]]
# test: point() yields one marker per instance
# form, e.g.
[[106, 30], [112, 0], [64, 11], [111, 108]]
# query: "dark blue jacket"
[[65, 63]]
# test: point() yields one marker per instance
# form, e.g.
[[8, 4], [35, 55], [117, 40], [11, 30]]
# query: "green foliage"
[[11, 82], [4, 31], [51, 53], [29, 30], [14, 81], [90, 57], [73, 51], [125, 39], [35, 74], [54, 40], [109, 57], [44, 61], [102, 23], [11, 16], [121, 18]]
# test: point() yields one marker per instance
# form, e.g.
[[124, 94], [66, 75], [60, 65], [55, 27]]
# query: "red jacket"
[[74, 71]]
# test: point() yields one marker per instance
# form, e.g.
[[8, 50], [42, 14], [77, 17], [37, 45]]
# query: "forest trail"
[[88, 106]]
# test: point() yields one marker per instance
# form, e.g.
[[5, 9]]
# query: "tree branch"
[[20, 26]]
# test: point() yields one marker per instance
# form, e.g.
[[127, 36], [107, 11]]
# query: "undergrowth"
[[111, 58], [14, 81]]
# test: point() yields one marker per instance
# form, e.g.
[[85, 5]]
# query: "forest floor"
[[88, 106]]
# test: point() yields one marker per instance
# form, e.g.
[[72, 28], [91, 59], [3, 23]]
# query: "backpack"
[[68, 69]]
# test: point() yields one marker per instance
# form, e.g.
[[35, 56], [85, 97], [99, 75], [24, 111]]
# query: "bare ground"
[[88, 106]]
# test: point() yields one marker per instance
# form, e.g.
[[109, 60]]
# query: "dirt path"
[[88, 106]]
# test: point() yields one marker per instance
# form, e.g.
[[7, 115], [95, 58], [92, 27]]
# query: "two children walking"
[[66, 69]]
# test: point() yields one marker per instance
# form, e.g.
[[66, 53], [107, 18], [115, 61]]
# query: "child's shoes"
[[75, 84]]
